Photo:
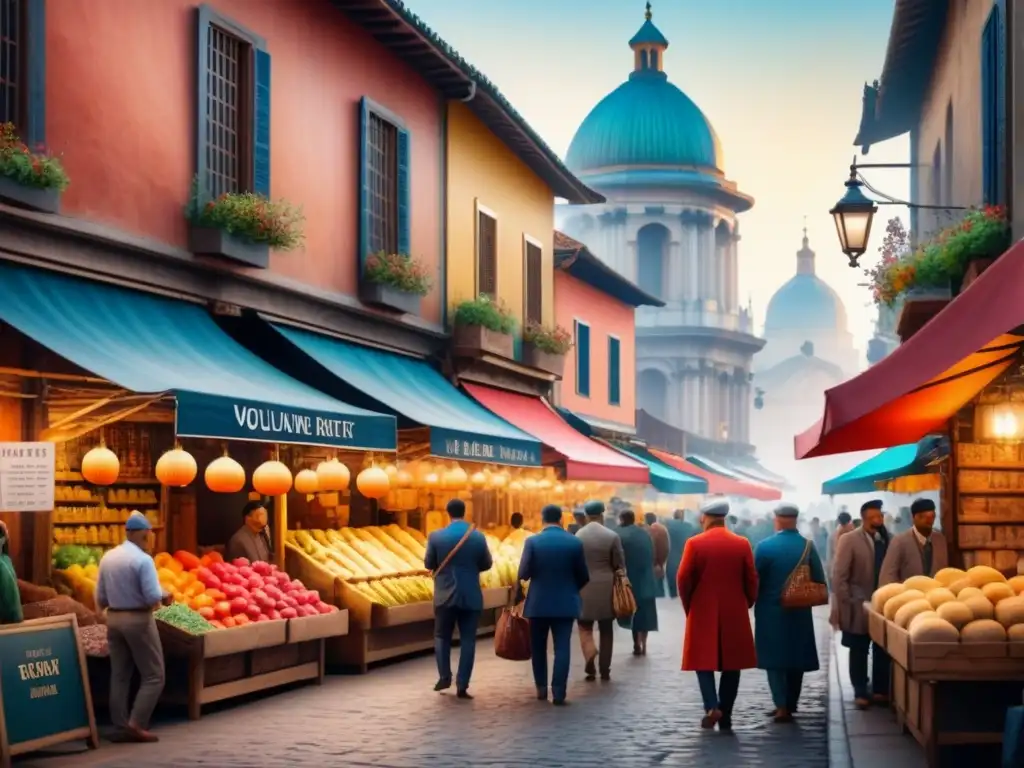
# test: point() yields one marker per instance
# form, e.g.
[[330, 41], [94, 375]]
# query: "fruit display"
[[506, 554], [75, 554], [979, 605], [234, 594], [184, 618], [81, 580]]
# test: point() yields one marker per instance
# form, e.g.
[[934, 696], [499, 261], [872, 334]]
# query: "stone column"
[[675, 273], [734, 273], [708, 254], [692, 421]]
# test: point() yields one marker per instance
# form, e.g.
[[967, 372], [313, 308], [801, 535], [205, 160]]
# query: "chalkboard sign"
[[44, 687]]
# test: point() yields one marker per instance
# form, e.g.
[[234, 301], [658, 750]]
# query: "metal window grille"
[[228, 103], [382, 169], [534, 285], [487, 254], [12, 63]]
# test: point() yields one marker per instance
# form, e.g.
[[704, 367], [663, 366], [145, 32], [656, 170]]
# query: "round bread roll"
[[922, 583], [947, 576], [1010, 612], [961, 584], [983, 631], [981, 607], [966, 592], [939, 595], [893, 604], [921, 617], [997, 590], [983, 574], [882, 595], [910, 610], [955, 613], [933, 630]]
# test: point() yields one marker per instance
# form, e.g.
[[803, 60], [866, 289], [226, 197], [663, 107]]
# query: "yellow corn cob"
[[363, 566], [400, 535], [395, 547], [378, 561], [416, 535]]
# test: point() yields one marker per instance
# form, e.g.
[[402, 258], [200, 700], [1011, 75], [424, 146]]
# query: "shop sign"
[[223, 418], [27, 477], [465, 446], [44, 686]]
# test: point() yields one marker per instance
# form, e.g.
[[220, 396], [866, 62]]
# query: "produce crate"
[[951, 661], [301, 566], [318, 627], [876, 625]]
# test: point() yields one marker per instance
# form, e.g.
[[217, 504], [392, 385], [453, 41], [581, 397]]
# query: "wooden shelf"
[[99, 522]]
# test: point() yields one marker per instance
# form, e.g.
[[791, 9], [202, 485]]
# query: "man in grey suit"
[[602, 549], [921, 551]]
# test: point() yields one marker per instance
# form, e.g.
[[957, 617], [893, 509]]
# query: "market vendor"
[[252, 540]]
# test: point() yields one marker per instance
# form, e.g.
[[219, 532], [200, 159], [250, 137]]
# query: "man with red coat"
[[717, 583]]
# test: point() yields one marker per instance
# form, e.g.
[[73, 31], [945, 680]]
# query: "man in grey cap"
[[602, 549], [784, 637], [128, 589]]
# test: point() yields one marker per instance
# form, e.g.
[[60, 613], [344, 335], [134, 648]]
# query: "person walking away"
[[855, 575], [638, 551], [680, 531], [784, 637], [579, 519], [128, 589], [603, 551], [456, 554], [920, 551], [516, 521], [252, 540], [844, 524], [554, 564], [717, 584], [660, 539]]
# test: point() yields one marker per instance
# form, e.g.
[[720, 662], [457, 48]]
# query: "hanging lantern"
[[431, 480], [404, 479], [558, 490], [478, 480], [515, 485], [499, 480], [373, 483], [530, 484], [224, 475], [544, 484], [272, 478], [176, 468], [455, 478], [306, 482], [332, 476], [100, 466]]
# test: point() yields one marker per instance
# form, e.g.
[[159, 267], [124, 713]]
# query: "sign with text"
[[44, 686], [466, 446], [227, 419], [27, 477]]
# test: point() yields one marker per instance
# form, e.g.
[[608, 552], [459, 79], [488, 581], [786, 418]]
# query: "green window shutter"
[[614, 371], [34, 127], [364, 182], [403, 191], [261, 125], [582, 359], [203, 18]]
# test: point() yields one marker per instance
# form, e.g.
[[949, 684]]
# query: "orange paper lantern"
[[224, 475], [272, 478], [478, 480], [332, 476], [307, 482], [176, 468], [404, 479], [100, 466], [373, 483], [456, 478]]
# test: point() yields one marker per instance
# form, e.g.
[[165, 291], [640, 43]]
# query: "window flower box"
[[545, 347], [483, 326], [918, 306], [390, 298], [41, 199], [538, 358], [29, 178], [474, 340], [394, 281], [210, 241]]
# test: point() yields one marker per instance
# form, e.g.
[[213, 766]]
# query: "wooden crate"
[[876, 625], [951, 661], [317, 627]]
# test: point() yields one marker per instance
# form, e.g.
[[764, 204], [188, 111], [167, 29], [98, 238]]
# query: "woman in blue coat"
[[784, 637], [639, 551]]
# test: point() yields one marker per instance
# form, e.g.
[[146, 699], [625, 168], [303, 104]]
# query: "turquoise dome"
[[805, 302]]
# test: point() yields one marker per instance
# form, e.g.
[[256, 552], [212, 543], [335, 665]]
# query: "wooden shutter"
[[534, 284], [614, 371], [582, 334], [402, 187], [261, 124], [487, 254]]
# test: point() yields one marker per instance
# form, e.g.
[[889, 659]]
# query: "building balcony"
[[690, 314]]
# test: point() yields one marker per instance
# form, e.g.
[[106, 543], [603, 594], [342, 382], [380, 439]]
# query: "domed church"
[[670, 225]]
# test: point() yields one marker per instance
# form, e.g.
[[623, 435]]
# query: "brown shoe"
[[783, 716], [862, 703], [140, 735], [711, 718]]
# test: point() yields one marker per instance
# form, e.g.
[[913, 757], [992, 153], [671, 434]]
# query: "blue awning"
[[664, 478], [150, 344], [713, 466], [898, 461], [460, 428]]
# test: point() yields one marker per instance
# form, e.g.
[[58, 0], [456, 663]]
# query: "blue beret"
[[787, 510], [716, 508], [137, 522], [594, 508]]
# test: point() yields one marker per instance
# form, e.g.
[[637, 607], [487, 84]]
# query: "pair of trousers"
[[445, 622], [725, 696], [134, 644], [560, 631], [785, 685], [605, 643], [859, 646]]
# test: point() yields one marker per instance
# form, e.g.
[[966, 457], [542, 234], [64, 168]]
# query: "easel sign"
[[44, 687]]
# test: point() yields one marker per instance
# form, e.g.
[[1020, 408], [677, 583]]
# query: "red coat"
[[718, 584]]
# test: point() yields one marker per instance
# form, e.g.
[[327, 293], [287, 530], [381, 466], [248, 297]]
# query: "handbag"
[[512, 634], [455, 549], [623, 601], [801, 591]]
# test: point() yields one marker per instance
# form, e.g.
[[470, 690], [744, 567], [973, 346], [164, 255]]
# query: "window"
[[233, 91], [486, 252], [581, 337], [533, 281], [993, 107], [23, 68], [936, 191], [947, 161], [384, 179], [614, 371]]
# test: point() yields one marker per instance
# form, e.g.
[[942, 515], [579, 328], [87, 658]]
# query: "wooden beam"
[[25, 373]]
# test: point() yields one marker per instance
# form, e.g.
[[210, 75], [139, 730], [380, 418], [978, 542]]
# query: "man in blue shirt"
[[128, 590], [457, 555]]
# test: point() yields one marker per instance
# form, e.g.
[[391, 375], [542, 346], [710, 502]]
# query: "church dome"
[[805, 301]]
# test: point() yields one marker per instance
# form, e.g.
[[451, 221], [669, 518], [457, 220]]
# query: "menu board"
[[27, 477]]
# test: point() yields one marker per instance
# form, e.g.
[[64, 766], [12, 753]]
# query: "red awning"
[[719, 484], [917, 388], [585, 459]]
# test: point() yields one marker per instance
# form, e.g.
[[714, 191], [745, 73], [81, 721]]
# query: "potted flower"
[[394, 281], [483, 325], [241, 226], [29, 179], [545, 347]]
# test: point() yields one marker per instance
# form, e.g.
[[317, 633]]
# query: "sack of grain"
[[33, 593], [58, 606], [94, 640]]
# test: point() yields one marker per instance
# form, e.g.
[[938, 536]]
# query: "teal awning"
[[898, 461], [460, 428], [150, 344], [713, 466], [664, 478]]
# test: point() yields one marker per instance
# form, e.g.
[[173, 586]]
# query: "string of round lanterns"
[[176, 468], [100, 466]]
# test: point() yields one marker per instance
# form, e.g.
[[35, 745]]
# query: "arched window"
[[654, 59], [643, 59], [652, 251]]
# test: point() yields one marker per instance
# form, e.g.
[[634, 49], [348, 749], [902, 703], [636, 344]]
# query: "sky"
[[780, 80]]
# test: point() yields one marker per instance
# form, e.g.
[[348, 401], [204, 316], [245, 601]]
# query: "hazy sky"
[[780, 80]]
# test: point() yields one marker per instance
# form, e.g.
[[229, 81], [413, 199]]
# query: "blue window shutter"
[[582, 359], [364, 182], [614, 371], [999, 11], [261, 125], [203, 18], [404, 243], [34, 128]]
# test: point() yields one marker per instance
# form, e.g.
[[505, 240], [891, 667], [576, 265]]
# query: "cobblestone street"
[[648, 715]]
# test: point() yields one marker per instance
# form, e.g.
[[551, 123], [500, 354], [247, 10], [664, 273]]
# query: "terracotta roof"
[[574, 257], [565, 243]]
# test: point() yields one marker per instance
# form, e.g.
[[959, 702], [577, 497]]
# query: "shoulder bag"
[[455, 549], [801, 591], [623, 600], [512, 634]]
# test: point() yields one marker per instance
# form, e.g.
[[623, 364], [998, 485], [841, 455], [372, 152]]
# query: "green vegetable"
[[71, 554], [184, 618]]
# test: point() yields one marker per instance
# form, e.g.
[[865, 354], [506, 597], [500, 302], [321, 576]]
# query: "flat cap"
[[787, 510], [922, 505], [137, 522], [715, 508], [594, 508]]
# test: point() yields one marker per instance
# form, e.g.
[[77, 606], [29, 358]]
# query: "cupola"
[[648, 46]]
